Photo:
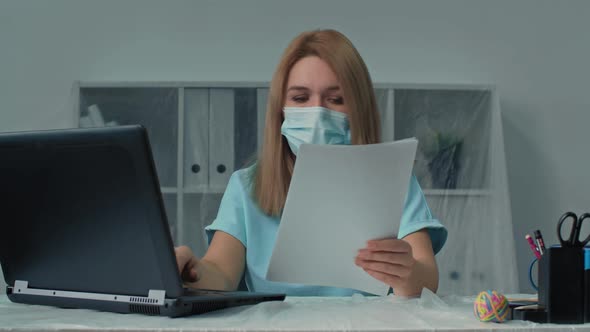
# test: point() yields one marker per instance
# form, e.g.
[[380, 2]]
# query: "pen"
[[533, 246], [540, 242]]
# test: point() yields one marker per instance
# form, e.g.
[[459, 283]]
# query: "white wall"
[[536, 51]]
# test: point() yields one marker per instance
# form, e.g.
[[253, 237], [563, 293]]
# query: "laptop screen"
[[81, 211]]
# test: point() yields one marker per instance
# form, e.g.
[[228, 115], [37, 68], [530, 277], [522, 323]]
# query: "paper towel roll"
[[2, 282], [95, 115]]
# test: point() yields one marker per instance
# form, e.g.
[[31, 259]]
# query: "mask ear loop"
[[531, 274]]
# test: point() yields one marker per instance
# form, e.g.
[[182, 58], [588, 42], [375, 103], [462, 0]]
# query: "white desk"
[[391, 313]]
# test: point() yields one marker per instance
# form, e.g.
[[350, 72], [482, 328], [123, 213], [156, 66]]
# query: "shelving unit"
[[456, 192], [202, 132]]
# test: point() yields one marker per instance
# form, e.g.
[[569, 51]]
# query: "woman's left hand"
[[388, 260]]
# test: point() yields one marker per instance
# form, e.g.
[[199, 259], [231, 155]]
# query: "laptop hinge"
[[155, 297]]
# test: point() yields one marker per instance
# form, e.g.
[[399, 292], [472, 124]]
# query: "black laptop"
[[83, 225]]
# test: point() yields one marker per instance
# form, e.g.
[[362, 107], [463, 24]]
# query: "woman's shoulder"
[[243, 178]]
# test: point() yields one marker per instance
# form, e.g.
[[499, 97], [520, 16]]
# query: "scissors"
[[574, 239]]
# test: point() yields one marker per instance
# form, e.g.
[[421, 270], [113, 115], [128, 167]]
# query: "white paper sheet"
[[339, 198]]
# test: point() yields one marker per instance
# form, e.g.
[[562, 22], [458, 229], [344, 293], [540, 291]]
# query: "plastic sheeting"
[[356, 313], [201, 133], [461, 168]]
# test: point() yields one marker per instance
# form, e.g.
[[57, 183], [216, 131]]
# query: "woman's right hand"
[[188, 264]]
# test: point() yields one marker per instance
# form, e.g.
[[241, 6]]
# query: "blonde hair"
[[275, 165]]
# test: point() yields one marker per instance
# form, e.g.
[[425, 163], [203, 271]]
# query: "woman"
[[321, 93]]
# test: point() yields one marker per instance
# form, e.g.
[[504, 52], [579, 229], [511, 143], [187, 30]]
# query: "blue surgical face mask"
[[314, 125]]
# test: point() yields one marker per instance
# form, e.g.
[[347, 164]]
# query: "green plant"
[[438, 142], [443, 151]]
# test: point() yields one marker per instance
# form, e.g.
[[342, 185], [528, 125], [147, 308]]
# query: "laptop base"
[[155, 304]]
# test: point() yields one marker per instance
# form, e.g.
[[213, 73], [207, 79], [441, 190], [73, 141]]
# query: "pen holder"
[[561, 284]]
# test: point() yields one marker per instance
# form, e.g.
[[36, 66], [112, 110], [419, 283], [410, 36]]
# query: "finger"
[[191, 267], [384, 277], [194, 275], [189, 275], [386, 257], [387, 268], [181, 259], [393, 245], [186, 262], [186, 275]]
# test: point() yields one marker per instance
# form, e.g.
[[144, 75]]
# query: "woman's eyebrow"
[[298, 88], [305, 89]]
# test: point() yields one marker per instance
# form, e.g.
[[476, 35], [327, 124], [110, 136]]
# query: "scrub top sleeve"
[[230, 216], [417, 216]]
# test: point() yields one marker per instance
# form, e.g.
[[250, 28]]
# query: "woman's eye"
[[336, 100], [299, 99]]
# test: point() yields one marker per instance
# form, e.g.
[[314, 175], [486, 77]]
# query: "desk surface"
[[357, 313]]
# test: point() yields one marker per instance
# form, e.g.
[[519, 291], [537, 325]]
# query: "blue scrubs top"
[[240, 216]]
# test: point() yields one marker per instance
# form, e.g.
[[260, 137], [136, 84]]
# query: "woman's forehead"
[[312, 73]]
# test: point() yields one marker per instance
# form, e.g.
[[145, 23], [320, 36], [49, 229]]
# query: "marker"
[[533, 246], [540, 242]]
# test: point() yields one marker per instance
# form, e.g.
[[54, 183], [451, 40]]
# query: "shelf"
[[456, 192], [168, 190], [174, 190], [203, 191], [427, 192]]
